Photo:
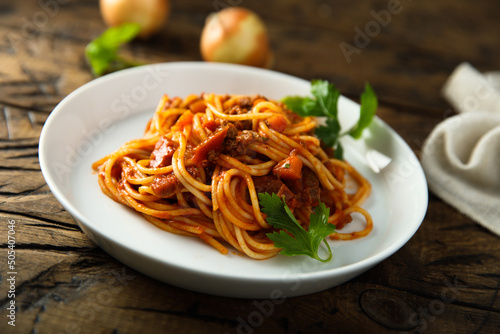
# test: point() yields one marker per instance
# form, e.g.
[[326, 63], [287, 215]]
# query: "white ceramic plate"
[[100, 116]]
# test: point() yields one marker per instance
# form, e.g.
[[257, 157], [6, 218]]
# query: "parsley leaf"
[[102, 52], [301, 242], [327, 97], [298, 105], [329, 134], [324, 103], [338, 151], [367, 112]]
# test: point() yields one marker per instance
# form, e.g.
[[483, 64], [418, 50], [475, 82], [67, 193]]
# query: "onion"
[[149, 14], [236, 35]]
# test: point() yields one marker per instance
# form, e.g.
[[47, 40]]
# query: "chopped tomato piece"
[[185, 119], [277, 122], [289, 168], [213, 142], [211, 125], [198, 106]]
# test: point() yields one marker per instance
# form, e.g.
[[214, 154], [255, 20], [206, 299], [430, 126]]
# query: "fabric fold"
[[461, 156]]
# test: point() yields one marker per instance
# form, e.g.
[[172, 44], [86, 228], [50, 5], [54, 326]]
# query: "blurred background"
[[418, 44]]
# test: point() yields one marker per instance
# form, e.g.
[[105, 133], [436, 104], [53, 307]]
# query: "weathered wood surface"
[[444, 280]]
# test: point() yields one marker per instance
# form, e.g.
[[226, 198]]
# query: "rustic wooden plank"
[[18, 144], [44, 276], [90, 301], [37, 73], [437, 266], [17, 182], [38, 202], [22, 124]]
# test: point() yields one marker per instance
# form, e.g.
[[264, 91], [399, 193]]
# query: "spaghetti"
[[203, 159]]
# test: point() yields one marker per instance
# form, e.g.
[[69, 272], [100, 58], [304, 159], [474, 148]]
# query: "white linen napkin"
[[461, 156]]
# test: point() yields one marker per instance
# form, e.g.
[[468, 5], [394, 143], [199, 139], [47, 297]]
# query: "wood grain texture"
[[444, 280]]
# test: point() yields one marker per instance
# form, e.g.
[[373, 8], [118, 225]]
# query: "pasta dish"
[[203, 160]]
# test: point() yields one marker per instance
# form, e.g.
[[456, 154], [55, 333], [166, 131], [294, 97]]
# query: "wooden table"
[[444, 280]]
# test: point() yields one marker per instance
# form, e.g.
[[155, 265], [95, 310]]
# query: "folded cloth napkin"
[[461, 156]]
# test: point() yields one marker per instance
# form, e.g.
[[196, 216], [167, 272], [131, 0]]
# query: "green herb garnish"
[[369, 105], [102, 52], [301, 242], [287, 165], [324, 102]]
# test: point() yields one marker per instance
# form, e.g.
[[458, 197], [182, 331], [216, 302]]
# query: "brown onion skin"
[[149, 14], [236, 35]]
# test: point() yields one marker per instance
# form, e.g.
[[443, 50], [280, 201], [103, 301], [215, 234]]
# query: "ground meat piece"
[[243, 125], [230, 137], [232, 132], [238, 146], [230, 141], [237, 110], [167, 185], [247, 137], [306, 189], [162, 153], [212, 156], [246, 101], [272, 184]]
